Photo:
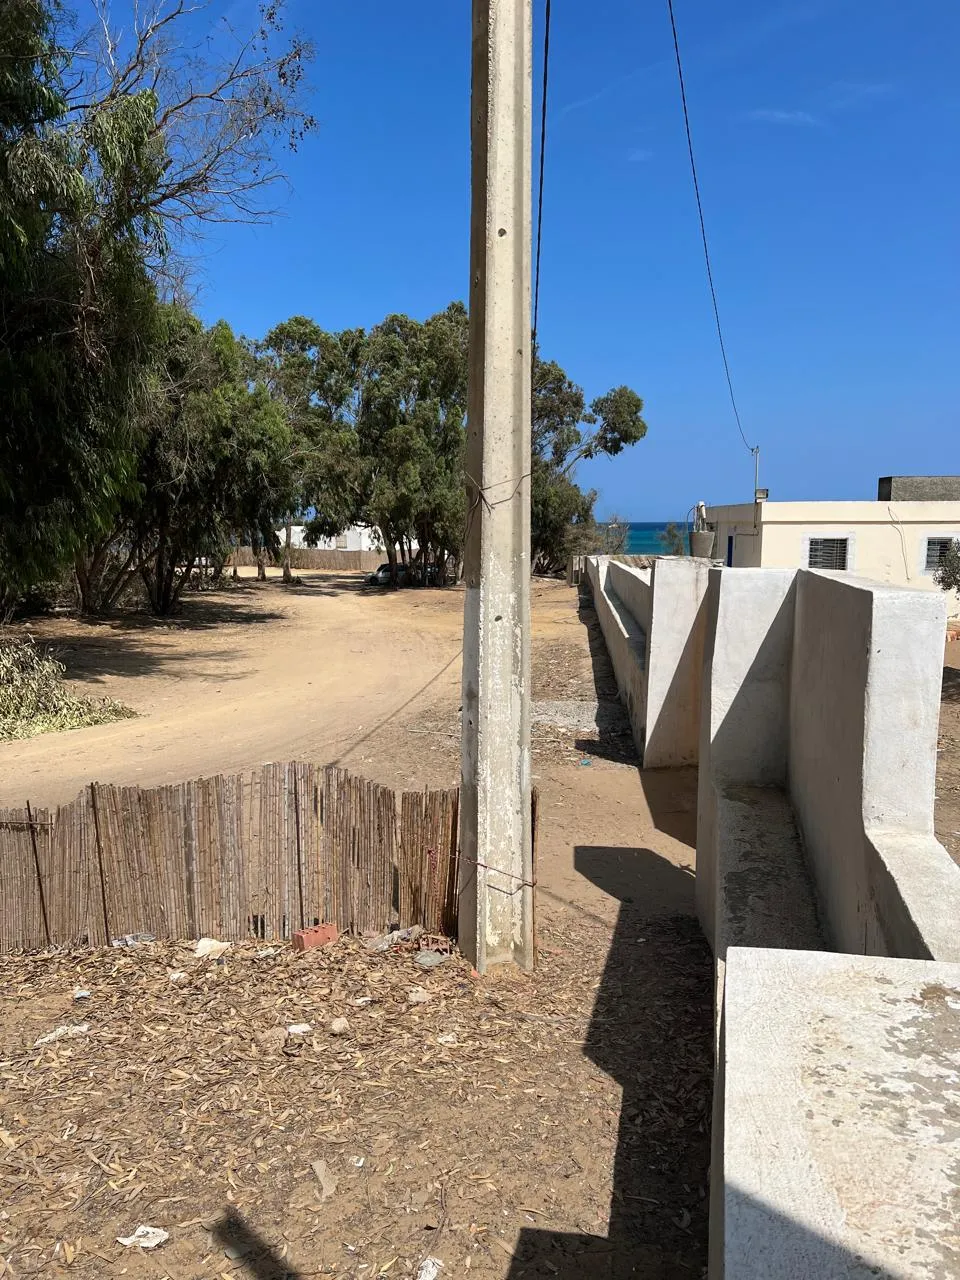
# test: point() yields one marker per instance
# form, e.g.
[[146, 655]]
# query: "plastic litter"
[[417, 995], [211, 948], [448, 1037], [429, 1269], [327, 1180], [299, 1029], [144, 1238], [176, 975], [62, 1033], [430, 959], [394, 938], [133, 939], [80, 994]]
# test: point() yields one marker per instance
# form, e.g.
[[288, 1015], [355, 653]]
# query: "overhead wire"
[[703, 231], [543, 153]]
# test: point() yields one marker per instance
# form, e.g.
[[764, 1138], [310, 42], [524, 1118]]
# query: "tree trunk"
[[287, 544]]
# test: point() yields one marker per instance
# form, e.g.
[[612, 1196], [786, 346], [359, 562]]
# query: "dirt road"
[[256, 673]]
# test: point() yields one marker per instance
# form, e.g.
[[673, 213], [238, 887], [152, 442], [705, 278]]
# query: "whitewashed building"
[[899, 539]]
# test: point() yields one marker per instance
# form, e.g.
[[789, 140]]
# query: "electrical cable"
[[703, 229], [543, 152]]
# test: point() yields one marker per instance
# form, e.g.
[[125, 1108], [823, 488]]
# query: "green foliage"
[[947, 573], [75, 302], [673, 540], [562, 520], [107, 154], [379, 421], [34, 698]]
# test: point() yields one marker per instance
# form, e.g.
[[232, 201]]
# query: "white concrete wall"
[[744, 731], [820, 704], [864, 712], [653, 622], [357, 538], [828, 687], [742, 523], [675, 666]]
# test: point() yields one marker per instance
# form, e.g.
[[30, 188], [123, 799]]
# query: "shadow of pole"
[[250, 1250], [651, 1030]]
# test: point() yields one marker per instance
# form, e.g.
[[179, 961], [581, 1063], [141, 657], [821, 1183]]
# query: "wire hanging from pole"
[[543, 152], [703, 230]]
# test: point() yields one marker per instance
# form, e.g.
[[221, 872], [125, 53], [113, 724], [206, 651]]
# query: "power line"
[[703, 229], [543, 152]]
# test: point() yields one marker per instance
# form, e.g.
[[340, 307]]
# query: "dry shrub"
[[34, 698]]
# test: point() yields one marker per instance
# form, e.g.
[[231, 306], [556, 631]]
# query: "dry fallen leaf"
[[328, 1183]]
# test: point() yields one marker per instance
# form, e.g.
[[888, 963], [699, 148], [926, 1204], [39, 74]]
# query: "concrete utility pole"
[[496, 870]]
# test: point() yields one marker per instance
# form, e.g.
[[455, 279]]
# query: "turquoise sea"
[[644, 537]]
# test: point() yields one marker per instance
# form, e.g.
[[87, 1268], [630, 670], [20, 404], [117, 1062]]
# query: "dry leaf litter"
[[347, 1113]]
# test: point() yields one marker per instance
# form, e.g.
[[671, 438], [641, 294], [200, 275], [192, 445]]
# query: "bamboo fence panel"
[[234, 856]]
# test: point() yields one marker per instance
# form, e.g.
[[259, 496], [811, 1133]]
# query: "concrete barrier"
[[654, 623], [864, 713], [841, 1135], [825, 689], [820, 705]]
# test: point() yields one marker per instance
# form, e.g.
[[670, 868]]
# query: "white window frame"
[[836, 534], [937, 535]]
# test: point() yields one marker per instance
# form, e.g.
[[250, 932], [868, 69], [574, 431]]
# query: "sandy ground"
[[568, 1137]]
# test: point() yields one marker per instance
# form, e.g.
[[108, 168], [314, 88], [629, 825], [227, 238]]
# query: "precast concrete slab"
[[841, 1118]]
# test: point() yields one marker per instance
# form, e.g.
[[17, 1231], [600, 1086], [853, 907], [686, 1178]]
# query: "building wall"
[[887, 541], [919, 489], [357, 538], [742, 523]]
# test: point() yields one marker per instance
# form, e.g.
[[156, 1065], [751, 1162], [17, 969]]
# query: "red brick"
[[321, 935]]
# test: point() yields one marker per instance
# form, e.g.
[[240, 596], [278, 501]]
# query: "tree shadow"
[[254, 1254], [652, 1031], [319, 582]]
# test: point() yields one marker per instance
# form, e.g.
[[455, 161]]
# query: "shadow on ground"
[[951, 684], [670, 793], [651, 1030], [250, 1251]]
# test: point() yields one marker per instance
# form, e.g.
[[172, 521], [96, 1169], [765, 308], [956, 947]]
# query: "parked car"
[[381, 576]]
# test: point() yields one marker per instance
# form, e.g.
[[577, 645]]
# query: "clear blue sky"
[[827, 141]]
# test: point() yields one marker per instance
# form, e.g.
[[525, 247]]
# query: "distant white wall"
[[356, 538]]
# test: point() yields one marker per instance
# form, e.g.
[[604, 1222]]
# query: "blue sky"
[[827, 142]]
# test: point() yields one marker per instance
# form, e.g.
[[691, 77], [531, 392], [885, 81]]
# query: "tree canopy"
[[110, 149], [134, 443]]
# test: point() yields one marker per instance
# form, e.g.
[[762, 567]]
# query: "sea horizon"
[[645, 537]]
